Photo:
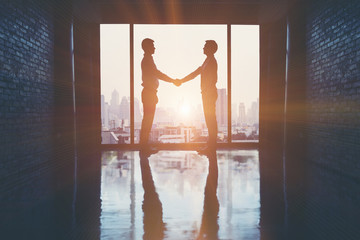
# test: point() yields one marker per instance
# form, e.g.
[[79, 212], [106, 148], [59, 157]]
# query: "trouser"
[[209, 105], [149, 100]]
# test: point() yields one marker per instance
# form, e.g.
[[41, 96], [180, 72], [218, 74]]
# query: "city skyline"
[[241, 110], [172, 125]]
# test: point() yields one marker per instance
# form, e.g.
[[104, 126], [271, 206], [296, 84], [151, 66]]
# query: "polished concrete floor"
[[229, 195], [180, 195]]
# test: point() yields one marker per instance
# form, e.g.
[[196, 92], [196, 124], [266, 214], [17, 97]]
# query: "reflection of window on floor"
[[179, 51]]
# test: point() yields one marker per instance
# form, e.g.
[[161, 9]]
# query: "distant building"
[[178, 134], [253, 113], [108, 137], [221, 108], [102, 110], [242, 114], [114, 110], [124, 110], [234, 114], [115, 98], [171, 138], [137, 111], [162, 117], [106, 115]]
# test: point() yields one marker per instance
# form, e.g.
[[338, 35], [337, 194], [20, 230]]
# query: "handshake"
[[177, 82]]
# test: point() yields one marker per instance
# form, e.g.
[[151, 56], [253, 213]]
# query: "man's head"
[[210, 47], [148, 46]]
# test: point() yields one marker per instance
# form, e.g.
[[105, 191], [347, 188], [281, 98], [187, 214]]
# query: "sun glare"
[[185, 109]]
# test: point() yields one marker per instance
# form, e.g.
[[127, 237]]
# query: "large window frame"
[[133, 145]]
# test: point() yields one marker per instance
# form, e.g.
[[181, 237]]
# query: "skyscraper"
[[253, 113], [234, 114], [242, 114], [102, 110], [124, 110], [106, 115], [115, 98], [137, 111], [256, 106], [221, 108]]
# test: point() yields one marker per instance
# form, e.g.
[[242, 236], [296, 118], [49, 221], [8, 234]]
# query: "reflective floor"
[[180, 195]]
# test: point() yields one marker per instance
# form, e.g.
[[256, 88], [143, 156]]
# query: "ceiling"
[[180, 11]]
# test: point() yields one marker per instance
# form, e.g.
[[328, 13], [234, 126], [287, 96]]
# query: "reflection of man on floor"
[[154, 226], [150, 83], [208, 71], [209, 227]]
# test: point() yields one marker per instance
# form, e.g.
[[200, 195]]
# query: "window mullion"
[[132, 115], [229, 140]]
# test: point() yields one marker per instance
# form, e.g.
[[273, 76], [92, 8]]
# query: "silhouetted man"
[[150, 83], [208, 71]]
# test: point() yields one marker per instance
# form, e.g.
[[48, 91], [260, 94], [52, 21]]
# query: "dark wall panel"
[[333, 99], [26, 113]]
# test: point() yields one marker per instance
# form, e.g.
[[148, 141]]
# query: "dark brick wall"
[[333, 117], [26, 87], [39, 148], [332, 205], [26, 105], [333, 93]]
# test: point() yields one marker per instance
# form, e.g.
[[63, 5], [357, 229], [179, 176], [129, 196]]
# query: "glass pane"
[[115, 83], [179, 114], [245, 82]]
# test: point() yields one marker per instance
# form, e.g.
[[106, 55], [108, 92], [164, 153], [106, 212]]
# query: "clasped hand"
[[177, 82]]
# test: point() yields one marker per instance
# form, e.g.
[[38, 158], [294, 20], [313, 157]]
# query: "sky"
[[179, 51]]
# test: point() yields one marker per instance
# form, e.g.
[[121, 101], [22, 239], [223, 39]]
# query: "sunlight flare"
[[185, 109]]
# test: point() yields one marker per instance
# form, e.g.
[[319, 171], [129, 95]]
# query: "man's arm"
[[156, 73], [164, 77], [191, 75]]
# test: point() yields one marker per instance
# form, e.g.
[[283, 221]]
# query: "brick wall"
[[333, 73], [26, 104], [333, 98]]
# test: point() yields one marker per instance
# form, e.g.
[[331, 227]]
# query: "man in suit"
[[150, 83], [208, 72]]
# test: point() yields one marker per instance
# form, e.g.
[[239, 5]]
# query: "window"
[[245, 82], [115, 83], [179, 51]]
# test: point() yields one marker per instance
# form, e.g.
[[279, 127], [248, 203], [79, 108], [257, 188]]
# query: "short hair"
[[212, 45], [146, 43]]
